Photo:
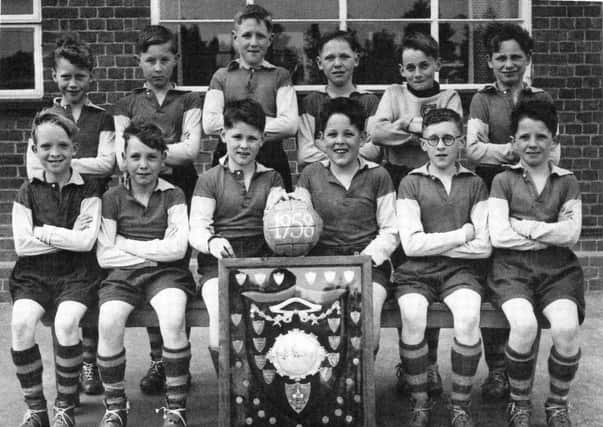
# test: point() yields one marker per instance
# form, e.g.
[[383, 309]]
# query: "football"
[[291, 228]]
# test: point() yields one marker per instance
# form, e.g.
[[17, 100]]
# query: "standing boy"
[[73, 65], [178, 114], [143, 243], [443, 221], [535, 217], [228, 206], [251, 76], [55, 219], [354, 197], [338, 56]]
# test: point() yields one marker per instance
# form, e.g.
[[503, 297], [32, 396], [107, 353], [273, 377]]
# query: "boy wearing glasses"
[[443, 223]]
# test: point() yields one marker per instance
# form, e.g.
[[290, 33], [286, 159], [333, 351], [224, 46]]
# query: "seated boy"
[[143, 242], [443, 222], [55, 219], [535, 217], [354, 197], [338, 56], [228, 205]]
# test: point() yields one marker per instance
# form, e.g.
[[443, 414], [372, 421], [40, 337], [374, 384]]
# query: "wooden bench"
[[439, 316]]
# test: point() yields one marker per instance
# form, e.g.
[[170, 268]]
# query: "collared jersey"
[[95, 155], [430, 220], [522, 219], [397, 108], [361, 218], [489, 125], [237, 212], [311, 107], [43, 215]]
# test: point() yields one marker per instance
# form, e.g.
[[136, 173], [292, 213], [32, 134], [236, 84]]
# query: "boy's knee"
[[414, 317], [565, 335], [66, 324], [467, 322], [525, 326], [173, 322], [109, 325], [23, 328]]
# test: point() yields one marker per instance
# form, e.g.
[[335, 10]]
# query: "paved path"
[[391, 408]]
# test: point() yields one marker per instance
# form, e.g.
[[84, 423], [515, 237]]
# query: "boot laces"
[[177, 413]]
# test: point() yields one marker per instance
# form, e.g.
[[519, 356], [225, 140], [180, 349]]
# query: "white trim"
[[156, 12], [38, 90], [34, 17]]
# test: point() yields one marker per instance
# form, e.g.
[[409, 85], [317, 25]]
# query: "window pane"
[[358, 9], [296, 9], [463, 56], [379, 63], [16, 7], [481, 9], [195, 9], [16, 58]]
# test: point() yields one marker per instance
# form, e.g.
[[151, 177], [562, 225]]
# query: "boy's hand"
[[277, 195], [82, 222], [469, 232], [220, 248], [416, 125]]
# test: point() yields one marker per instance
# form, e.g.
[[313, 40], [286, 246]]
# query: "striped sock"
[[176, 362], [68, 362], [562, 371], [89, 344], [29, 373], [495, 341], [112, 370], [520, 369], [465, 359], [155, 341], [414, 363], [432, 336]]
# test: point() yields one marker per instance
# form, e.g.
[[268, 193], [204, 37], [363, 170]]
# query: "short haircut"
[[543, 111], [254, 11], [345, 36], [153, 35], [496, 33], [440, 115], [420, 41], [76, 52], [245, 111], [147, 132], [350, 108], [54, 117]]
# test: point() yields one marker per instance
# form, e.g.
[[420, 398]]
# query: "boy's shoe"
[[460, 415], [420, 413], [173, 417], [557, 415], [154, 380], [434, 380], [496, 386], [90, 382], [519, 414], [63, 416], [116, 416], [35, 418]]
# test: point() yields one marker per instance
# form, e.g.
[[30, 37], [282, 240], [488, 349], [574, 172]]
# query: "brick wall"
[[567, 63]]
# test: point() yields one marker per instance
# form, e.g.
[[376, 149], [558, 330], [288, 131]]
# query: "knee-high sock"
[[414, 365], [89, 344], [520, 369], [29, 373], [176, 362], [155, 341], [112, 370], [68, 362], [562, 371], [495, 341], [465, 359]]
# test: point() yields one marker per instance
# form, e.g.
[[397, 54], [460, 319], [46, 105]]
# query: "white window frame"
[[33, 21], [524, 17]]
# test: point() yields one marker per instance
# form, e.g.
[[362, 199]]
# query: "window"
[[206, 44], [20, 49]]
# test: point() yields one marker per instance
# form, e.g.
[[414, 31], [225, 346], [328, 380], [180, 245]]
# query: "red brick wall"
[[567, 63]]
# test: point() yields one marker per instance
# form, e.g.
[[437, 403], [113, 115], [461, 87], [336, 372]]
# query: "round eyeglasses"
[[434, 140]]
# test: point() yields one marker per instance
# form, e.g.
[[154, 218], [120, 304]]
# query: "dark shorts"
[[436, 277], [245, 247], [380, 273], [51, 279], [541, 277], [137, 286]]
